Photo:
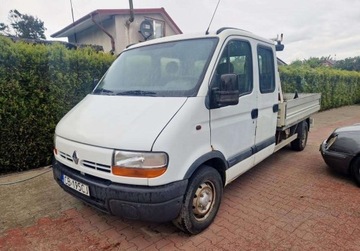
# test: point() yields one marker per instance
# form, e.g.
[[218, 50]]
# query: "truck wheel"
[[201, 202], [355, 170], [300, 143]]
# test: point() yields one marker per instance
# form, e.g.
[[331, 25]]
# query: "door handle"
[[275, 108], [254, 113]]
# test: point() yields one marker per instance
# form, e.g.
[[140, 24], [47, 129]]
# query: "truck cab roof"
[[221, 33]]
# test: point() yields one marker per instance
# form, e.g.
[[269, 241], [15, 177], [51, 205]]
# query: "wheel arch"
[[298, 126], [308, 123], [355, 158], [214, 159]]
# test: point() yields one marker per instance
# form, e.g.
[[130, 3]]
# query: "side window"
[[236, 58], [266, 69]]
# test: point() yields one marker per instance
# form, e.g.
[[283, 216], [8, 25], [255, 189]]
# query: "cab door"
[[233, 127], [267, 102]]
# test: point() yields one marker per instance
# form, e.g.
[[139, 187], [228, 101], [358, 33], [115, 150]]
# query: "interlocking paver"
[[291, 201]]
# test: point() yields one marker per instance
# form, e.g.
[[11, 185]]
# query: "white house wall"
[[123, 35], [127, 35], [96, 36]]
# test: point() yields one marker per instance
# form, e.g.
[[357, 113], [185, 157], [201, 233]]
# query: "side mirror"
[[227, 93], [279, 47]]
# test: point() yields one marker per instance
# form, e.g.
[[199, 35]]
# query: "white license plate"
[[76, 185]]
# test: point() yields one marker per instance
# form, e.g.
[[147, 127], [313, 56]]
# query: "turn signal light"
[[138, 172]]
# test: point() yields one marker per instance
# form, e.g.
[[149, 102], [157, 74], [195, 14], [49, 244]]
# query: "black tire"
[[201, 202], [355, 170], [300, 143]]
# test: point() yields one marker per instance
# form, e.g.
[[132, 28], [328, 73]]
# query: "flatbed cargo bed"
[[294, 110]]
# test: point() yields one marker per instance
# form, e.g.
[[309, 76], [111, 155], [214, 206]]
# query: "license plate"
[[76, 185]]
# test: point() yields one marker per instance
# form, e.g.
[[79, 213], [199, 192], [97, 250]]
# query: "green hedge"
[[38, 85], [337, 87]]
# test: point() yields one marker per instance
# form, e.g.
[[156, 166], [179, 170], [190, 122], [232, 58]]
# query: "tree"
[[349, 64], [3, 28], [314, 62], [24, 26]]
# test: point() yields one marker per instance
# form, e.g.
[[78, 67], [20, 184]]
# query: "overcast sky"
[[311, 28]]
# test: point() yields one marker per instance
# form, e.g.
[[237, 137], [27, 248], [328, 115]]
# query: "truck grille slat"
[[66, 156], [88, 164], [96, 166]]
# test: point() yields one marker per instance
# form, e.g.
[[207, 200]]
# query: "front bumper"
[[155, 204], [336, 160]]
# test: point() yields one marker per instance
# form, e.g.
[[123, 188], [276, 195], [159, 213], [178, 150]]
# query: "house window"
[[158, 27]]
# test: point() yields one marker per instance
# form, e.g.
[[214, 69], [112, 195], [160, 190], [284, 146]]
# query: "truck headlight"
[[139, 164]]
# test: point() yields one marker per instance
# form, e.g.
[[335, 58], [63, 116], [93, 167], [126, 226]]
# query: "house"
[[115, 29], [328, 62]]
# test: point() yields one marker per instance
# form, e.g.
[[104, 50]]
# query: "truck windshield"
[[172, 69]]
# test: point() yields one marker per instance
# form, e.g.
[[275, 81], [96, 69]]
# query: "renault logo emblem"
[[75, 157]]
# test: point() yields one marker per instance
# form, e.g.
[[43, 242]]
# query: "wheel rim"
[[203, 200]]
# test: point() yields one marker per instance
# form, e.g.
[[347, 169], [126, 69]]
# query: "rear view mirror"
[[227, 93]]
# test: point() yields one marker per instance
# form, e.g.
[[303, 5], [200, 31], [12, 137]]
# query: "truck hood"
[[119, 122]]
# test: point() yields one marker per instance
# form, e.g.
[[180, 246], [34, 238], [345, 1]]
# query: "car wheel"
[[300, 143], [355, 170], [201, 202]]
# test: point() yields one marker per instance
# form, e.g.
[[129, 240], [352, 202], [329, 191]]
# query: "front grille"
[[66, 156], [87, 163], [96, 166]]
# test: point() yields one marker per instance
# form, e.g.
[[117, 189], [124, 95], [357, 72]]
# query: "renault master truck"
[[173, 121]]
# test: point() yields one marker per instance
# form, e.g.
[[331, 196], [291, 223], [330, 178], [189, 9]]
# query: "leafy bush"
[[337, 87], [38, 85]]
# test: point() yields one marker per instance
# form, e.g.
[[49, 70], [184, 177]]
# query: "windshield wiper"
[[103, 91], [137, 93]]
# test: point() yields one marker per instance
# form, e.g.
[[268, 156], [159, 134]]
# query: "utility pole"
[[72, 15]]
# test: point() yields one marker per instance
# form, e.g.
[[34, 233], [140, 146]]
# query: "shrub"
[[38, 85], [337, 87]]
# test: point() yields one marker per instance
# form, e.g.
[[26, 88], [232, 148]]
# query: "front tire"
[[300, 143], [201, 202], [355, 170]]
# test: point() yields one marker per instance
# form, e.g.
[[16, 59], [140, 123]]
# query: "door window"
[[236, 58], [266, 69]]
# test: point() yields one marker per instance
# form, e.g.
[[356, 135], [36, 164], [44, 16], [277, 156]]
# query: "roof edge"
[[161, 11]]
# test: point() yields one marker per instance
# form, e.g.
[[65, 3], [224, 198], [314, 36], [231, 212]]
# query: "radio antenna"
[[207, 31]]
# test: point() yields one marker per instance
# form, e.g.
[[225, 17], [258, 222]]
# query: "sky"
[[311, 28]]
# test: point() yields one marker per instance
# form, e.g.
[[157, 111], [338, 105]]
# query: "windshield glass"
[[173, 69]]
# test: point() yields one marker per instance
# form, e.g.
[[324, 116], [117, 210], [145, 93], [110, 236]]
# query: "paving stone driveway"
[[290, 201]]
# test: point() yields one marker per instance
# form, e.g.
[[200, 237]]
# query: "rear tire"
[[300, 143], [201, 202], [355, 170]]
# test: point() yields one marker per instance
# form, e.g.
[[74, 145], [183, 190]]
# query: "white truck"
[[175, 120]]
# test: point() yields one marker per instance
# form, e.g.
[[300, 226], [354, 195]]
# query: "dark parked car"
[[341, 150]]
